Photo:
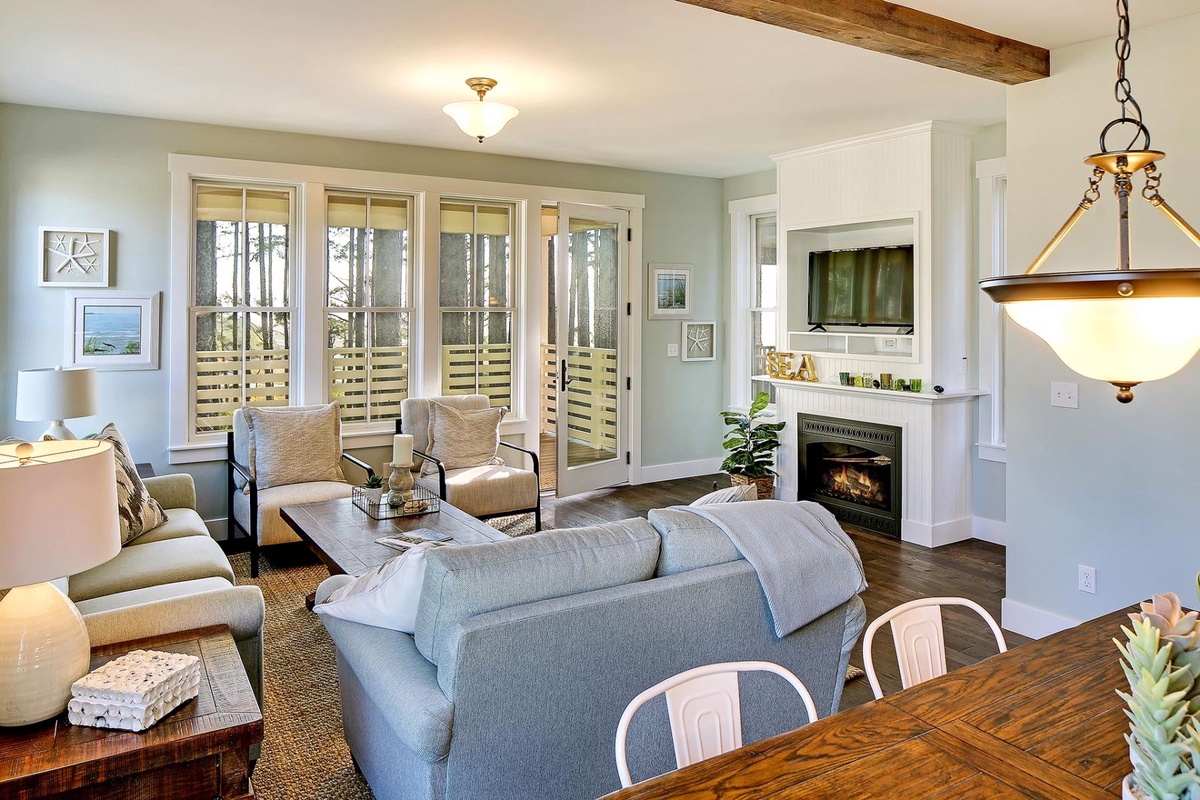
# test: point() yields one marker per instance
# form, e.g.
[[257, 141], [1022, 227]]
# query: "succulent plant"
[[373, 482], [1182, 629]]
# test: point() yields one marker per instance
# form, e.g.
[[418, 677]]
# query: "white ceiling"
[[647, 84]]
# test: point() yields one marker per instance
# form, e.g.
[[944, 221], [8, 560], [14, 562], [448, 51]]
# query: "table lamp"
[[58, 517], [56, 394]]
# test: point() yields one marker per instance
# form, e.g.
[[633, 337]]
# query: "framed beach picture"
[[74, 257], [670, 291], [699, 341], [114, 330]]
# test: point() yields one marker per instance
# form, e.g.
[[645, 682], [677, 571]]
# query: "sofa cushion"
[[483, 491], [150, 594], [271, 527], [689, 542], [180, 522], [293, 445], [170, 561], [730, 494], [384, 597], [461, 582], [463, 438]]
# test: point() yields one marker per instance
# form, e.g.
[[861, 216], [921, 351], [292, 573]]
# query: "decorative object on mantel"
[[751, 448], [74, 257], [1162, 664], [483, 118], [779, 366], [373, 489], [699, 341], [1124, 326], [133, 692], [56, 394], [114, 330], [669, 291]]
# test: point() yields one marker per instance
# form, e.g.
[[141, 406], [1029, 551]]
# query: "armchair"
[[492, 490], [278, 457]]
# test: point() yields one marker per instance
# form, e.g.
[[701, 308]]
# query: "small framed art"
[[114, 330], [74, 257], [670, 291], [699, 341]]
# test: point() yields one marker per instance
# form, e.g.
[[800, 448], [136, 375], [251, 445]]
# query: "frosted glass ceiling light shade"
[[1124, 326], [481, 118]]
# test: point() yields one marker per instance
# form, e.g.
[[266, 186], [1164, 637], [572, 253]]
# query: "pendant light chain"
[[1131, 111]]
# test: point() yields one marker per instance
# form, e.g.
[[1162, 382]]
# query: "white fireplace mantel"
[[936, 438]]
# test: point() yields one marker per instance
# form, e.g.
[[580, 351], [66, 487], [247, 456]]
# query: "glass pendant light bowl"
[[480, 118]]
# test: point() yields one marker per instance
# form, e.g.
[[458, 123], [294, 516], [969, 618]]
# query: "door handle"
[[563, 380]]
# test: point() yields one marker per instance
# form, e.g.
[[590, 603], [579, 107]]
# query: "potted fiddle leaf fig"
[[1162, 664], [750, 447]]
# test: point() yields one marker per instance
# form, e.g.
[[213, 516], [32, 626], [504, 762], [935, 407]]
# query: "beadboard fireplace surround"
[[908, 185]]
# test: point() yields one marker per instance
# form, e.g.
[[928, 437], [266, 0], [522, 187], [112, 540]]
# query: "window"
[[241, 304], [368, 304], [993, 219], [476, 299], [764, 277]]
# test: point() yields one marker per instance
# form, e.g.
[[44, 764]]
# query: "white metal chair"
[[705, 710], [920, 643]]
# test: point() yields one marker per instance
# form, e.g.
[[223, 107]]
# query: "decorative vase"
[[400, 484], [764, 484]]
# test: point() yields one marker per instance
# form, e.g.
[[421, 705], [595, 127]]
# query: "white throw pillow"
[[461, 439], [734, 494], [385, 597]]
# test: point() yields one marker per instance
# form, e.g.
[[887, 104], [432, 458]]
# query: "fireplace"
[[853, 469]]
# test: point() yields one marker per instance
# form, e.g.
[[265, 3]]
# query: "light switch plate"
[[673, 350], [1064, 395]]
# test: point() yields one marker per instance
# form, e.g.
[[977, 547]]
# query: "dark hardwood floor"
[[896, 572]]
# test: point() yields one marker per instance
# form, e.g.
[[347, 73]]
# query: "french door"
[[590, 335]]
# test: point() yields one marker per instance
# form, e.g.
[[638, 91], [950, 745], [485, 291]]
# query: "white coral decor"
[[134, 691]]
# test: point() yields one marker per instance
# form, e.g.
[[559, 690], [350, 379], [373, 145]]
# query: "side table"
[[198, 752]]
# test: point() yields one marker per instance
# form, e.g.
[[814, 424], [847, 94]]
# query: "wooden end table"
[[198, 752]]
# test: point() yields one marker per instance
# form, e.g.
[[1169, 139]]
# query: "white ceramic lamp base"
[[43, 650]]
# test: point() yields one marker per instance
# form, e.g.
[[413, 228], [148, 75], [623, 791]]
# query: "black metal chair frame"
[[536, 510], [241, 469]]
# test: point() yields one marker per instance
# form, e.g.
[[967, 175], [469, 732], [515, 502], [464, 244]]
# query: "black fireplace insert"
[[853, 469]]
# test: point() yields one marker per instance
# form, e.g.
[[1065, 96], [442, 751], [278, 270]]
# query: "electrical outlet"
[[1087, 579], [673, 351], [1064, 395], [888, 344]]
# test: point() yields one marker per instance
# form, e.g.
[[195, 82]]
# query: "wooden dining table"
[[1040, 721]]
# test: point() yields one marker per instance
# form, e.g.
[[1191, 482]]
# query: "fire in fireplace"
[[853, 468]]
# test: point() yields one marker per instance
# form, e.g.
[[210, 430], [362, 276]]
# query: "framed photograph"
[[670, 291], [74, 257], [114, 330], [699, 341]]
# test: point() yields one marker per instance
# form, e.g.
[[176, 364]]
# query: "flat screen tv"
[[865, 286]]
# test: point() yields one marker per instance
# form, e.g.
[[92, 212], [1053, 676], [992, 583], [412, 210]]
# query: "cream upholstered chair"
[[492, 490], [704, 707], [920, 642], [292, 456]]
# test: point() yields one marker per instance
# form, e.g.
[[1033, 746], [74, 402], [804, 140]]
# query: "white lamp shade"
[[58, 509], [480, 118], [1120, 340], [53, 394]]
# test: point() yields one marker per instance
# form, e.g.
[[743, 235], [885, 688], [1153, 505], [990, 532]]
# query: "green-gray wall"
[[70, 168], [1109, 486]]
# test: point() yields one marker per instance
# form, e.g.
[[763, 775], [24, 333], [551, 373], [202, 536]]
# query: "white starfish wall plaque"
[[698, 340], [76, 253]]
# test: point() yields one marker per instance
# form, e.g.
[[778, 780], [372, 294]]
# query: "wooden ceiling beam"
[[898, 31]]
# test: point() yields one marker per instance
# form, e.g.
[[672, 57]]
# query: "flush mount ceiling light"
[[1124, 326], [483, 118]]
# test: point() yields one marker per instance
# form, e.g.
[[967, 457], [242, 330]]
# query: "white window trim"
[[992, 177], [741, 266], [308, 371]]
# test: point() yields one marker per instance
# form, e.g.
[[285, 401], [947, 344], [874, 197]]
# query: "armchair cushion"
[[488, 490], [384, 597], [414, 414], [461, 439], [271, 527], [291, 445]]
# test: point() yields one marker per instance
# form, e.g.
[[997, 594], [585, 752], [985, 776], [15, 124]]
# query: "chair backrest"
[[705, 709], [414, 414], [920, 642]]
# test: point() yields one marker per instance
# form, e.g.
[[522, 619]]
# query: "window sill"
[[992, 452]]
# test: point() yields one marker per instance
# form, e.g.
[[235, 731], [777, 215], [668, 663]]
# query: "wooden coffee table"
[[343, 535], [198, 752]]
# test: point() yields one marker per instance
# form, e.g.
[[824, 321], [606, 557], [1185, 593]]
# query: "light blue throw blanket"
[[806, 563]]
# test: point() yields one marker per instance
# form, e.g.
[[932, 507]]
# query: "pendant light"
[[1124, 326], [480, 118]]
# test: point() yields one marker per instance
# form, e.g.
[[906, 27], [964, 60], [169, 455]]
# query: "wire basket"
[[422, 501]]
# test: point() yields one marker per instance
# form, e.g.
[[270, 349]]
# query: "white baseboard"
[[680, 469], [991, 530], [218, 528], [928, 535], [1032, 622]]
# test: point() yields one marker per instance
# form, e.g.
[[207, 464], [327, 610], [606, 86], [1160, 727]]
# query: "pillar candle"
[[402, 449]]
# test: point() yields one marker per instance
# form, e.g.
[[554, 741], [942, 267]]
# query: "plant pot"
[[374, 496], [1131, 791], [764, 485]]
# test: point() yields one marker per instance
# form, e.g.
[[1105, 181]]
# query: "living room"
[[682, 132]]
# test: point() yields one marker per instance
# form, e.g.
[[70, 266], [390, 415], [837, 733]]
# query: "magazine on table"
[[403, 541]]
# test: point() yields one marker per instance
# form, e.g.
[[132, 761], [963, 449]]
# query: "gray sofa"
[[172, 578], [526, 652]]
